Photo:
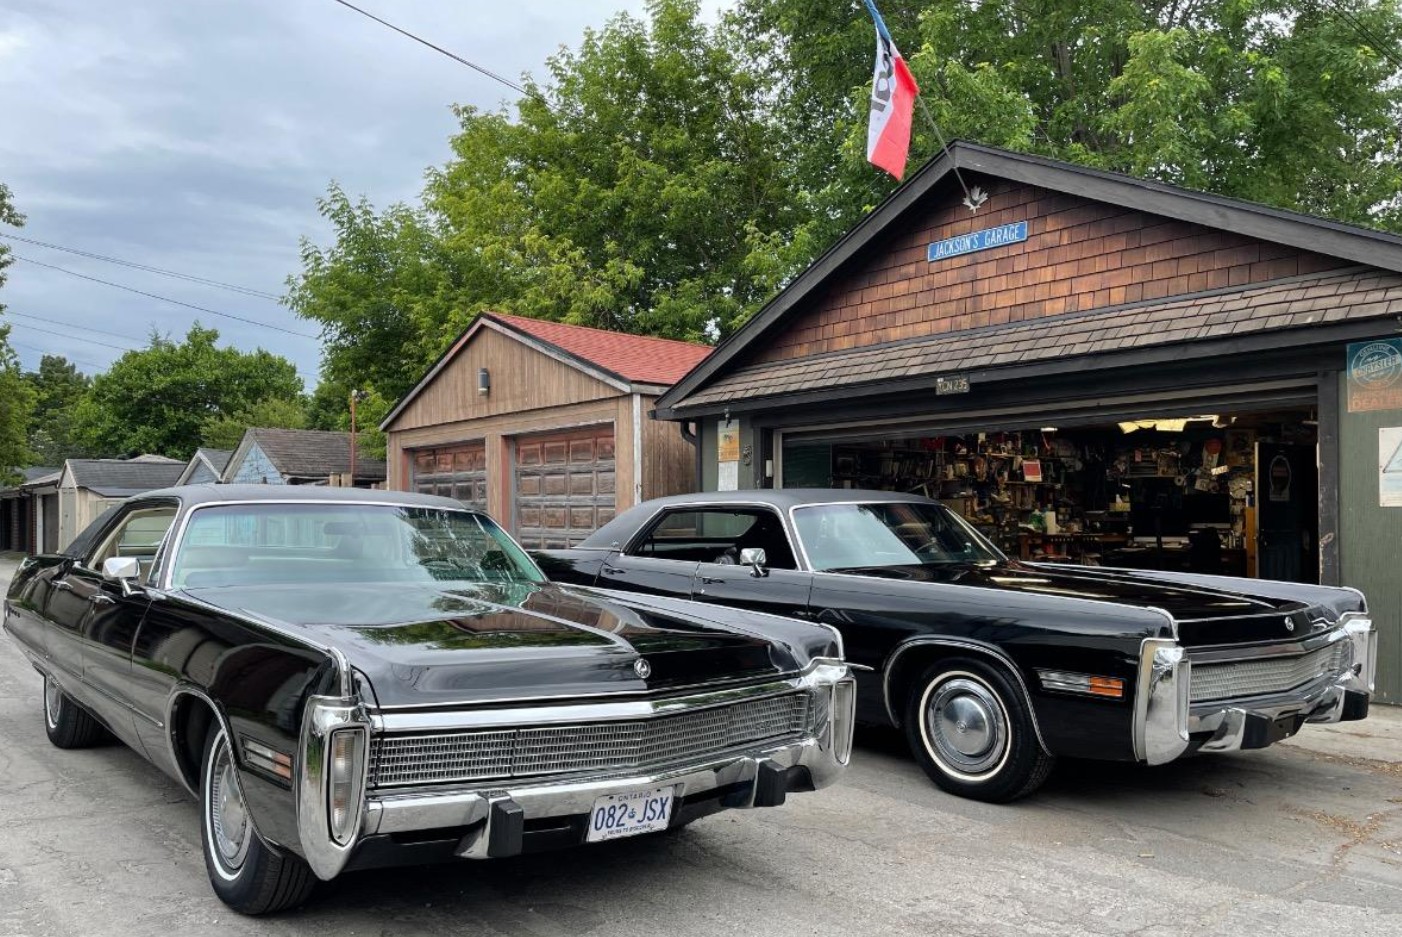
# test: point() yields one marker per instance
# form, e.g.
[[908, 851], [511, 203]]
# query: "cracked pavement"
[[1302, 838]]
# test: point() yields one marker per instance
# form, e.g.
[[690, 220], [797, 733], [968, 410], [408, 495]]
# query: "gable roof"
[[309, 454], [215, 459], [1307, 232], [1059, 343], [630, 363], [120, 477]]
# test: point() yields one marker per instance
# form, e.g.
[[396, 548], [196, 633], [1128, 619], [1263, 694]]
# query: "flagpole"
[[968, 196]]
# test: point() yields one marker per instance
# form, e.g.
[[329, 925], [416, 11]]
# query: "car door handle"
[[63, 585], [100, 599], [613, 570], [711, 581]]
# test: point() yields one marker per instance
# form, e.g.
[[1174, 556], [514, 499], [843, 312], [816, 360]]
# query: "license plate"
[[618, 815]]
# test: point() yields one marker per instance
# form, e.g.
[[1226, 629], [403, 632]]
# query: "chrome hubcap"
[[228, 817], [966, 726], [53, 702]]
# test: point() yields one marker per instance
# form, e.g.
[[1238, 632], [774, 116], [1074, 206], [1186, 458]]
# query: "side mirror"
[[754, 558], [124, 570]]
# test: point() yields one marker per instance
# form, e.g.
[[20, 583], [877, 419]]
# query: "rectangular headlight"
[[344, 771]]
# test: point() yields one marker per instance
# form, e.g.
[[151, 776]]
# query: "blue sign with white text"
[[978, 241]]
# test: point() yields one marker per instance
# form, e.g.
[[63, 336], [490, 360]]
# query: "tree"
[[225, 430], [159, 399], [1296, 105], [58, 385], [640, 190], [16, 398]]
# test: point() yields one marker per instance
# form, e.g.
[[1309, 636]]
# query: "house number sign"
[[978, 241]]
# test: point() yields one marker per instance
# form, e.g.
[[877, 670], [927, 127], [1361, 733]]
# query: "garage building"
[[545, 425], [1092, 369]]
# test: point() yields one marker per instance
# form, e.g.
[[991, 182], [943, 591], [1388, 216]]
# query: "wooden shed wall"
[[1080, 255], [522, 380]]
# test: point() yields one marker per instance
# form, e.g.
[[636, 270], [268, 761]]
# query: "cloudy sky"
[[197, 135]]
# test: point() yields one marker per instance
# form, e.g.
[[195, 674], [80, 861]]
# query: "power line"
[[70, 336], [164, 299], [105, 258], [66, 357], [1364, 32], [86, 328], [452, 55]]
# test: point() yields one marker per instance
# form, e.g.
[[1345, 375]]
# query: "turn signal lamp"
[[1082, 683], [346, 755]]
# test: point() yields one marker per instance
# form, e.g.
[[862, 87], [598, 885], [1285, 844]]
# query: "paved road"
[[1293, 840]]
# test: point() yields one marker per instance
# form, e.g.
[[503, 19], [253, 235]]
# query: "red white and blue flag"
[[893, 92]]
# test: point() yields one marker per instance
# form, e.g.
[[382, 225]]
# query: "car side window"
[[138, 533], [716, 535]]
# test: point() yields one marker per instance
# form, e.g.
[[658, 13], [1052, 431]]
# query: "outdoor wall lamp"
[[484, 382]]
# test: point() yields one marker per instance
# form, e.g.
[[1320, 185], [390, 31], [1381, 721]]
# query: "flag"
[[893, 92]]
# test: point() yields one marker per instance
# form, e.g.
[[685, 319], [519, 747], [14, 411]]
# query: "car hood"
[[430, 644], [1206, 614]]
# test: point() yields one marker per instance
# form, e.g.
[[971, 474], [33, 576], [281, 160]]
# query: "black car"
[[994, 667], [347, 679]]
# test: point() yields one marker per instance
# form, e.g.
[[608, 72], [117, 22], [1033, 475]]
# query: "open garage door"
[[564, 486], [453, 472]]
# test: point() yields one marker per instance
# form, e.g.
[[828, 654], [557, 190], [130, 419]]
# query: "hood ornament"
[[642, 668]]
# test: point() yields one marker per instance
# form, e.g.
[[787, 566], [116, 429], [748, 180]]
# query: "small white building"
[[87, 487]]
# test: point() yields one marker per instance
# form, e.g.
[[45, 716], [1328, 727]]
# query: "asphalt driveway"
[[1304, 838]]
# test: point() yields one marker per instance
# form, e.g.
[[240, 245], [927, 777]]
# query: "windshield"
[[897, 533], [270, 543]]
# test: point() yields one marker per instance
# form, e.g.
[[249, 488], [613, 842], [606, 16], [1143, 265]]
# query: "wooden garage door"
[[564, 486], [454, 472]]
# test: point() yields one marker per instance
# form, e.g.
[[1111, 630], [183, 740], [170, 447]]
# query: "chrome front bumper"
[[1167, 723], [492, 815]]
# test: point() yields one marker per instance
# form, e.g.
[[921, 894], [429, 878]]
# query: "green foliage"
[[16, 398], [16, 405], [1270, 100], [58, 385], [649, 195], [669, 176], [225, 430], [160, 398]]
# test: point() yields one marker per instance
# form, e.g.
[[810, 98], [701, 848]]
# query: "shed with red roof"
[[545, 425]]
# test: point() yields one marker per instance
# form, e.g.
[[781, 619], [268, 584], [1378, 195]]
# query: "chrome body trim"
[[824, 752], [967, 644], [323, 716], [1162, 687], [1235, 653]]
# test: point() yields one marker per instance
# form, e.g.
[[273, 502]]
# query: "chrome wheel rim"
[[226, 814], [53, 702], [965, 726]]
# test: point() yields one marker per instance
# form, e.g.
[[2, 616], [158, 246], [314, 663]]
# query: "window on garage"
[[453, 472], [565, 486]]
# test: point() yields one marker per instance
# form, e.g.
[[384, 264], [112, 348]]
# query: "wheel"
[[69, 725], [246, 873], [969, 728]]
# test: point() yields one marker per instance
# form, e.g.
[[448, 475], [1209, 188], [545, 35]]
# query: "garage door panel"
[[564, 486], [457, 471]]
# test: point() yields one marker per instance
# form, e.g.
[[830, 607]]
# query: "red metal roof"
[[637, 358]]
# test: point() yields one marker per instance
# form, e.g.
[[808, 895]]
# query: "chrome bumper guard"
[[495, 813], [1165, 718]]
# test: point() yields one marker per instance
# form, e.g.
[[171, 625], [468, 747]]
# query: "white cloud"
[[198, 135]]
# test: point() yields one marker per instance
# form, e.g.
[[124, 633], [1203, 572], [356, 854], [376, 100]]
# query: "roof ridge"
[[595, 328]]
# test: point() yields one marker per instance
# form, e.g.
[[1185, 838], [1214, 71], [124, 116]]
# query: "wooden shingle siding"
[[1079, 256]]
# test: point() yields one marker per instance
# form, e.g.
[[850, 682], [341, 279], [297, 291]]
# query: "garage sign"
[[978, 241], [1375, 375]]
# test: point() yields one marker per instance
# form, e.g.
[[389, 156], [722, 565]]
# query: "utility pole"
[[355, 397]]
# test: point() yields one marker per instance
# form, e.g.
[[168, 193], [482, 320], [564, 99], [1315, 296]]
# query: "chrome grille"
[[639, 744], [1267, 675]]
